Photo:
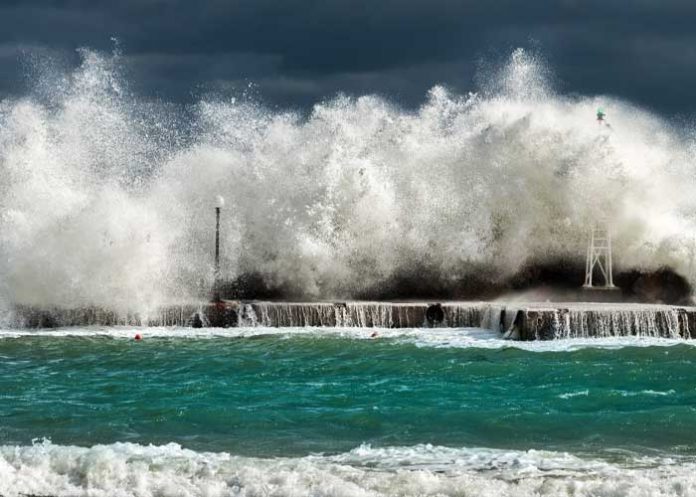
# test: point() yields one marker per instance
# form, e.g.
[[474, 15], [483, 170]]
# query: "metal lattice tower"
[[599, 255]]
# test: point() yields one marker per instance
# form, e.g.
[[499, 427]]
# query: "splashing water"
[[108, 200]]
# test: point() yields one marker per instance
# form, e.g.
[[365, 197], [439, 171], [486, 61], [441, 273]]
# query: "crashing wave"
[[107, 200]]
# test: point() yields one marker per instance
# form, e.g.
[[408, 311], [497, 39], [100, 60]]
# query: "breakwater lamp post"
[[216, 280], [598, 253]]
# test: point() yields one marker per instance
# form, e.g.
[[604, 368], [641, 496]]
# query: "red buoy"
[[138, 337]]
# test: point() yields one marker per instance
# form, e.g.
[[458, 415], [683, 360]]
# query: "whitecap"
[[125, 469]]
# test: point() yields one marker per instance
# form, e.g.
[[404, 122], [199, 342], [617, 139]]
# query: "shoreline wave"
[[125, 469]]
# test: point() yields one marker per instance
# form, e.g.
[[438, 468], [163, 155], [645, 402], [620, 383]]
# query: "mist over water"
[[106, 199]]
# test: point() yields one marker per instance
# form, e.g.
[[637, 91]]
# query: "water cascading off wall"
[[107, 200]]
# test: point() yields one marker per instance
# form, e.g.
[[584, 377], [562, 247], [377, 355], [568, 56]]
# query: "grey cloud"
[[301, 51]]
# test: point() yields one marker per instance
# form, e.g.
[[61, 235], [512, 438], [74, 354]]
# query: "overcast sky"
[[297, 52]]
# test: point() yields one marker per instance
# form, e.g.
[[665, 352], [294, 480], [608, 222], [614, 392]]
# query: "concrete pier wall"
[[516, 321], [365, 314], [548, 322]]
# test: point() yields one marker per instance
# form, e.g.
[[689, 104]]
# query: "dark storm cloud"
[[298, 52]]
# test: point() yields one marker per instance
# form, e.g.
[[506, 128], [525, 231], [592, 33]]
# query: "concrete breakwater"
[[272, 314], [517, 321]]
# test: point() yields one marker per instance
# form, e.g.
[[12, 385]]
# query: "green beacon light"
[[600, 114]]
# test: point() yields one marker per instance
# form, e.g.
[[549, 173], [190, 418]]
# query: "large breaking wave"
[[106, 199]]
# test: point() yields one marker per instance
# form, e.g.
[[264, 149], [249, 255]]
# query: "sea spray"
[[107, 200]]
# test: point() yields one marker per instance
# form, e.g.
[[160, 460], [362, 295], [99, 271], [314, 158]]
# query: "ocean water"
[[337, 412]]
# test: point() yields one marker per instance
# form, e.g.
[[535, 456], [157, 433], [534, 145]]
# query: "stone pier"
[[514, 320]]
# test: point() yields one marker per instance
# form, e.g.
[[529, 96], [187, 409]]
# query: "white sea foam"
[[125, 469], [419, 337], [647, 393], [107, 200], [570, 395]]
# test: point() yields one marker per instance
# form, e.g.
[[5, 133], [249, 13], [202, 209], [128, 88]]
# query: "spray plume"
[[109, 200]]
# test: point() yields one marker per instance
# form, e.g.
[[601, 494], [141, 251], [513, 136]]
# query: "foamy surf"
[[125, 469]]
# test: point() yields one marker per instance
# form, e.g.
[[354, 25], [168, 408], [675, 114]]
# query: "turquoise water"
[[296, 395]]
